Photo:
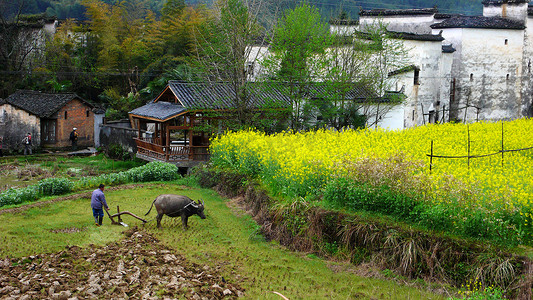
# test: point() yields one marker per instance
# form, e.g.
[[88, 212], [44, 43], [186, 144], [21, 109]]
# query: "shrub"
[[16, 196], [154, 171], [54, 186]]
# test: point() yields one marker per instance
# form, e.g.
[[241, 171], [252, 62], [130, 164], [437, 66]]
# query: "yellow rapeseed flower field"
[[298, 163]]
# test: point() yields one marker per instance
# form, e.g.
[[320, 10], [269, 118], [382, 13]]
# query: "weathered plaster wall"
[[253, 63], [515, 11], [15, 124], [489, 74], [118, 134], [427, 56], [343, 29], [414, 24], [527, 67]]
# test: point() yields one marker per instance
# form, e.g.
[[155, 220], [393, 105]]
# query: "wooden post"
[[139, 128], [423, 118], [167, 156], [468, 129], [431, 158], [191, 150], [502, 144], [452, 99], [156, 133]]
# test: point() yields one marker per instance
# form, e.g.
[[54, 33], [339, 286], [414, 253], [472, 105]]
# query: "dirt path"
[[137, 267]]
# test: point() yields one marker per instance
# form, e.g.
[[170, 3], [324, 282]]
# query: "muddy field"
[[137, 267]]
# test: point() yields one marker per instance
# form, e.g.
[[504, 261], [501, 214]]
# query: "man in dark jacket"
[[74, 139], [27, 143], [97, 203]]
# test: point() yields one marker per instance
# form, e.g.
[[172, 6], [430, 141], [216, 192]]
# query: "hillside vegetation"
[[329, 8]]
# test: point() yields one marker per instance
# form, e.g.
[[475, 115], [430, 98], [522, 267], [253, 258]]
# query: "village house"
[[459, 68], [49, 117], [482, 71]]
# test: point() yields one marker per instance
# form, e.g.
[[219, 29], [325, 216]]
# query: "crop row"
[[154, 171]]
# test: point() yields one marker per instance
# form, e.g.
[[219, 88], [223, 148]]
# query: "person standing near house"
[[27, 144], [74, 139], [98, 203]]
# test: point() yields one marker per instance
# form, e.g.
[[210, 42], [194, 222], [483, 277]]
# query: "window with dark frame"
[[417, 77]]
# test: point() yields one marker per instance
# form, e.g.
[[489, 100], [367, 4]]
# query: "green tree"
[[222, 48], [298, 59]]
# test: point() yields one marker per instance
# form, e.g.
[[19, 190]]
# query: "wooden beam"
[[178, 127], [167, 152], [138, 128]]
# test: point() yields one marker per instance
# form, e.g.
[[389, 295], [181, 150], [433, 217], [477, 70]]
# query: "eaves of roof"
[[479, 22], [501, 2], [414, 36], [43, 105], [398, 12], [448, 49], [161, 111], [404, 70], [343, 22]]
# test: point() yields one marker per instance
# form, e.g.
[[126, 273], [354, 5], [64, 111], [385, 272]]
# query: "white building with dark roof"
[[482, 71]]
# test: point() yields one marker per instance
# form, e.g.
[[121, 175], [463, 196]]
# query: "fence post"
[[431, 157], [468, 130], [502, 144]]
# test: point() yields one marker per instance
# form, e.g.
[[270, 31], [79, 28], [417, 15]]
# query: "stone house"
[[49, 117]]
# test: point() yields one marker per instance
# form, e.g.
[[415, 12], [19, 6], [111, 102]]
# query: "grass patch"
[[226, 240]]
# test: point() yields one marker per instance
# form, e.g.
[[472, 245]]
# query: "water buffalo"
[[176, 206]]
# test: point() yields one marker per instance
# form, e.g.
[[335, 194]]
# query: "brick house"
[[49, 117]]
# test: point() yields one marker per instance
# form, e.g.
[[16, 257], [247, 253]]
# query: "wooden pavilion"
[[172, 128]]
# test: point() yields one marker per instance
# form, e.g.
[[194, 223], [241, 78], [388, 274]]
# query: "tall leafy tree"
[[298, 59]]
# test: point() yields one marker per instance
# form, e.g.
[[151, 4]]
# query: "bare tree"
[[223, 49]]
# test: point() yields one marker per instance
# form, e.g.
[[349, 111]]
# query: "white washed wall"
[[515, 11], [414, 24], [527, 67], [488, 73]]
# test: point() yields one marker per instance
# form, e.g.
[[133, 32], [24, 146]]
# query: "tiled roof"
[[358, 93], [404, 70], [343, 22], [160, 110], [402, 36], [396, 12], [500, 2], [446, 16], [218, 96], [414, 36], [479, 22], [221, 95], [448, 49], [43, 105]]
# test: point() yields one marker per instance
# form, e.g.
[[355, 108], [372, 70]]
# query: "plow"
[[119, 219]]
